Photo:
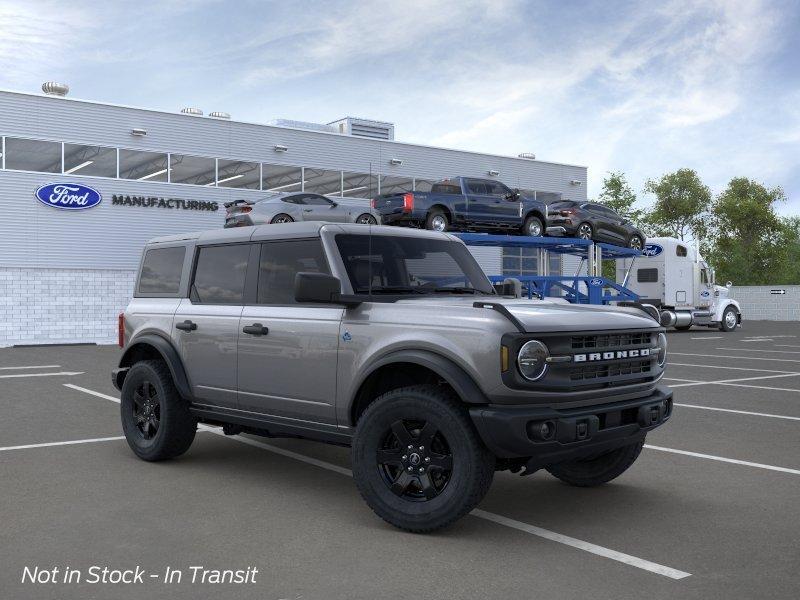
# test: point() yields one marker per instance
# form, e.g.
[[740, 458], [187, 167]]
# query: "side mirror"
[[316, 287]]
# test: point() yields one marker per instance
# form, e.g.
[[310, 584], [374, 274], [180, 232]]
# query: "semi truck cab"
[[672, 276]]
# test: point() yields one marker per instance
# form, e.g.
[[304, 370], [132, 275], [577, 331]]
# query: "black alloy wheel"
[[282, 218], [415, 460], [146, 409]]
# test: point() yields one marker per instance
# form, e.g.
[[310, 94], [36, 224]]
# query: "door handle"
[[255, 329], [186, 326], [308, 209]]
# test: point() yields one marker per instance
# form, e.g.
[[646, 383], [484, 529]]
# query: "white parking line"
[[735, 381], [740, 412], [755, 350], [723, 459], [787, 346], [747, 358], [673, 364], [15, 375], [708, 337], [31, 367], [67, 443], [581, 545], [633, 561], [92, 392]]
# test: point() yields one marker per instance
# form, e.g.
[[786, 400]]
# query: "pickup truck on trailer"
[[466, 204], [393, 342]]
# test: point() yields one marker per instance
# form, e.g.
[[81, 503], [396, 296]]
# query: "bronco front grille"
[[601, 371], [612, 340]]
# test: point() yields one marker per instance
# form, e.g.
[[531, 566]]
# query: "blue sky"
[[644, 87]]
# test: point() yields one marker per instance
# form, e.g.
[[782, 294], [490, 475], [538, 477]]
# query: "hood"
[[721, 291], [544, 316]]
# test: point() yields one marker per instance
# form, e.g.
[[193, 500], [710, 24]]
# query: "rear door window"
[[161, 271], [478, 187], [220, 274], [281, 261], [446, 187]]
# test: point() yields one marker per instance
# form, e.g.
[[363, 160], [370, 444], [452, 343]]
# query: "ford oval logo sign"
[[596, 282], [652, 250], [68, 196], [705, 294]]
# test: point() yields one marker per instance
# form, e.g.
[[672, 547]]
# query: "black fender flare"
[[461, 382], [168, 353], [535, 212]]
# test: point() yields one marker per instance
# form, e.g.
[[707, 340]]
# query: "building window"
[[143, 166], [359, 185], [194, 170], [396, 185], [280, 178], [33, 155], [321, 181], [237, 174], [97, 161]]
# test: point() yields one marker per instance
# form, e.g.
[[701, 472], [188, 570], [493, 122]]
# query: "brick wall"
[[758, 304], [48, 306]]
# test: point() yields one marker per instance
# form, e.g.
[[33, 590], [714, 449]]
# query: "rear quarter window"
[[161, 271]]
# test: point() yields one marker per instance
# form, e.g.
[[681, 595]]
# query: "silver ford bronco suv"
[[393, 342]]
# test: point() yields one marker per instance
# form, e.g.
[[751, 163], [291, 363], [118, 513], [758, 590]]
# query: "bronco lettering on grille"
[[595, 356]]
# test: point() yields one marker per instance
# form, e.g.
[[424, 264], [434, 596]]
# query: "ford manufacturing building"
[[66, 274]]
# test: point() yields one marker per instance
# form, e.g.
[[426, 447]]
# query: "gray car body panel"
[[341, 210], [310, 371]]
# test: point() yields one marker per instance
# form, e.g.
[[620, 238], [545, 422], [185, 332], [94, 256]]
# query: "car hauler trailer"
[[673, 277]]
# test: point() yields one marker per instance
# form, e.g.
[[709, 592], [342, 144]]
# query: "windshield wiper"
[[458, 290]]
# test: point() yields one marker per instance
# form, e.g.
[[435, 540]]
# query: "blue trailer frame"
[[578, 289]]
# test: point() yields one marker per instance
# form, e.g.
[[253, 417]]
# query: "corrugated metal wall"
[[111, 237]]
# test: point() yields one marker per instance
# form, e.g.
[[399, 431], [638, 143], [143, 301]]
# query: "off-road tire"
[[176, 427], [431, 219], [282, 218], [472, 464], [599, 470], [531, 222], [723, 325]]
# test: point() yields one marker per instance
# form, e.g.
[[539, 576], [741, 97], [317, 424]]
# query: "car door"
[[505, 205], [207, 323], [599, 218], [319, 208], [479, 202], [287, 351]]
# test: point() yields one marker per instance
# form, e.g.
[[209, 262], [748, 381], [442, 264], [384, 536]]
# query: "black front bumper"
[[515, 431]]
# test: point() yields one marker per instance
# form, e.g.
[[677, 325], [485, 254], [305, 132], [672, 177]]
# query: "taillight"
[[246, 209], [121, 329], [408, 202]]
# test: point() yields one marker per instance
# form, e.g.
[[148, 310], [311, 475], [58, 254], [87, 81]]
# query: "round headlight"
[[531, 360], [662, 349]]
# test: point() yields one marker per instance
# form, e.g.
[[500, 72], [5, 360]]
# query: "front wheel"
[[730, 319], [599, 469], [533, 227], [635, 242], [417, 459], [155, 419]]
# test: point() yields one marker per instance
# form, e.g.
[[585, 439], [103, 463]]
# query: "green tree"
[[618, 195], [751, 244], [681, 206]]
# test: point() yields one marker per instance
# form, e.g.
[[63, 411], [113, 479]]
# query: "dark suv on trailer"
[[391, 341], [591, 221]]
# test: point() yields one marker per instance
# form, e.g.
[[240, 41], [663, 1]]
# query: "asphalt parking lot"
[[710, 509]]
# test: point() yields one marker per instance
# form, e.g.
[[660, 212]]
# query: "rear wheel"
[[533, 227], [367, 219], [282, 218], [635, 242], [155, 419], [598, 470], [585, 231], [730, 319], [437, 220], [417, 459]]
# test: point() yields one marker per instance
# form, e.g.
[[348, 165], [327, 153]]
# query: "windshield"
[[409, 265]]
